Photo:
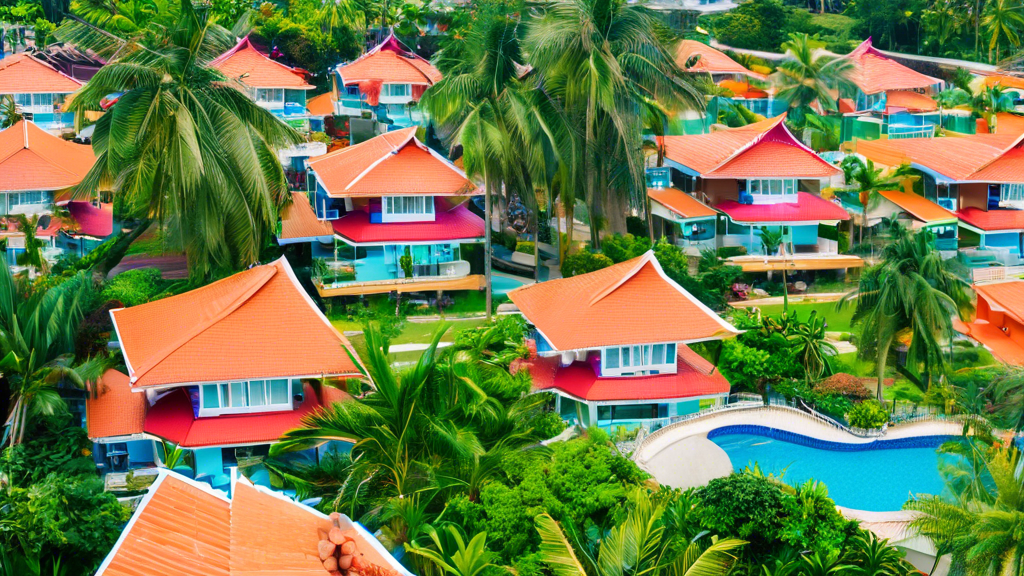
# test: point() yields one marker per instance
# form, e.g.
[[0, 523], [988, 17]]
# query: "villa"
[[184, 527], [400, 217], [980, 178], [760, 177], [387, 81], [747, 87], [613, 345], [221, 371], [999, 321], [914, 212], [39, 91]]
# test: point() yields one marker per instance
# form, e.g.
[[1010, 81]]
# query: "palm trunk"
[[536, 248], [880, 360]]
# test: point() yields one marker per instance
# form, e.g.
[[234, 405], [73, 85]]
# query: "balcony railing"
[[345, 273]]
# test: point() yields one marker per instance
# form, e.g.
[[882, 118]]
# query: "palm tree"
[[1002, 19], [871, 556], [807, 75], [989, 102], [9, 115], [33, 255], [453, 555], [912, 288], [638, 545], [807, 339], [184, 144], [868, 181], [602, 60]]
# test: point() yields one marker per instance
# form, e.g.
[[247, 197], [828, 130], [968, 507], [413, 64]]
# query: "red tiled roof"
[[633, 302], [712, 61], [88, 220], [172, 418], [255, 324], [918, 206], [992, 220], [262, 72], [680, 202], [958, 159], [807, 208], [910, 101], [23, 74], [322, 105], [392, 164], [300, 224], [33, 159], [875, 72], [456, 223], [391, 63], [1007, 168], [695, 377], [112, 409]]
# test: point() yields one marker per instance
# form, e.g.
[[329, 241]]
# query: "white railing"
[[996, 273]]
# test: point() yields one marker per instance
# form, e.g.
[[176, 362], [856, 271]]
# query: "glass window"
[[257, 393], [33, 197], [398, 90], [42, 99], [23, 99], [1011, 192], [625, 357], [224, 396], [211, 399], [658, 354], [270, 95], [611, 358], [238, 394], [279, 391], [670, 353]]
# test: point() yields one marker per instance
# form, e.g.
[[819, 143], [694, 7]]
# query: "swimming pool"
[[879, 479], [502, 284]]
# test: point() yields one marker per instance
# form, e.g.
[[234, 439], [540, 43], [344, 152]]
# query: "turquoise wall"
[[805, 234], [208, 461]]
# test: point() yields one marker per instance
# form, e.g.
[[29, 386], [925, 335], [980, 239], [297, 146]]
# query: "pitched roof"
[[918, 206], [33, 159], [112, 409], [258, 70], [807, 208], [875, 72], [992, 220], [390, 62], [450, 223], [255, 324], [910, 101], [1007, 123], [962, 159], [24, 74], [1005, 81], [321, 105], [711, 61], [394, 163], [300, 224], [766, 149], [680, 202], [633, 302], [695, 376], [89, 220], [1006, 297], [185, 528]]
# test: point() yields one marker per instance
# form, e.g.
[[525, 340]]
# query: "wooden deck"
[[471, 282], [799, 262]]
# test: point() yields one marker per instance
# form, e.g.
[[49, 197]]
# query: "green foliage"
[[756, 25], [624, 247], [583, 262], [134, 287], [499, 342], [868, 414], [525, 248], [405, 263], [54, 446]]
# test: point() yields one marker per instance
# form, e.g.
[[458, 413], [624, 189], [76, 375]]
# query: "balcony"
[[343, 278]]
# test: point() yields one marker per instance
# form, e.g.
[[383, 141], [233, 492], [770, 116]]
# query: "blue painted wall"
[[1002, 240], [805, 234], [209, 461]]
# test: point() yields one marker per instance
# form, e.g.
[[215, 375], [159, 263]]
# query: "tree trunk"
[[536, 247], [487, 243], [880, 360]]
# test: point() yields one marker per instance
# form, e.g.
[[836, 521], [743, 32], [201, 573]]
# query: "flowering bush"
[[843, 384]]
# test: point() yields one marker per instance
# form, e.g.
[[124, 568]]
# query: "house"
[[388, 198], [613, 345], [912, 211], [387, 81], [185, 528], [220, 371], [999, 320], [761, 178], [272, 85], [979, 177], [888, 98], [38, 90]]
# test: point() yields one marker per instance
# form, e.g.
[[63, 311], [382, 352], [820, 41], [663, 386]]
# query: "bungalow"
[[747, 87], [400, 215], [761, 178], [888, 98], [184, 527], [387, 81], [979, 177], [613, 345], [999, 321], [272, 85], [221, 371], [916, 212], [38, 91]]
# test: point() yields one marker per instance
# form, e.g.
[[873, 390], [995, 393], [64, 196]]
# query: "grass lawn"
[[838, 321], [412, 333]]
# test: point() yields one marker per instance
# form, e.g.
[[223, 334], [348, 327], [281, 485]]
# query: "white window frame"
[[226, 395], [407, 208], [43, 200], [625, 359], [772, 190], [1011, 193], [38, 102], [262, 93]]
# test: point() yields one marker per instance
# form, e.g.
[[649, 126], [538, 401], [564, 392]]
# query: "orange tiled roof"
[[918, 206], [299, 222], [394, 163], [712, 61], [23, 74], [680, 202], [33, 159], [322, 105], [179, 528], [271, 535], [262, 72], [255, 324], [959, 159], [911, 101], [1007, 297], [766, 149], [112, 409], [1005, 81], [391, 63], [628, 303], [1007, 123], [1002, 346], [875, 72]]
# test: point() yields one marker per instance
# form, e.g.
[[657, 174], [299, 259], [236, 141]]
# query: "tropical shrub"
[[525, 247], [134, 287], [843, 384], [868, 414], [583, 262], [622, 247]]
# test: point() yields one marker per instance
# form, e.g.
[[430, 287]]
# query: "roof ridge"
[[1016, 142], [758, 138], [642, 261], [395, 149]]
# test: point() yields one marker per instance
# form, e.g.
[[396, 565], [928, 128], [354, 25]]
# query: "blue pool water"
[[501, 284], [876, 480]]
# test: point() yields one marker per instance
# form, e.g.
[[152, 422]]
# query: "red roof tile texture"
[[695, 377], [298, 221], [711, 61], [807, 208], [680, 202], [392, 164], [23, 74], [875, 72], [33, 159], [962, 159], [629, 303], [255, 324], [449, 223], [251, 67], [390, 63], [992, 220], [112, 409]]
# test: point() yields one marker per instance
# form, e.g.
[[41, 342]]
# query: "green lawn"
[[412, 333], [838, 321]]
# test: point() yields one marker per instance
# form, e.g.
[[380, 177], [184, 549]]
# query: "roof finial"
[[24, 127]]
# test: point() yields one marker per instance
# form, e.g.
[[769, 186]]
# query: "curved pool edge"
[[925, 441]]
